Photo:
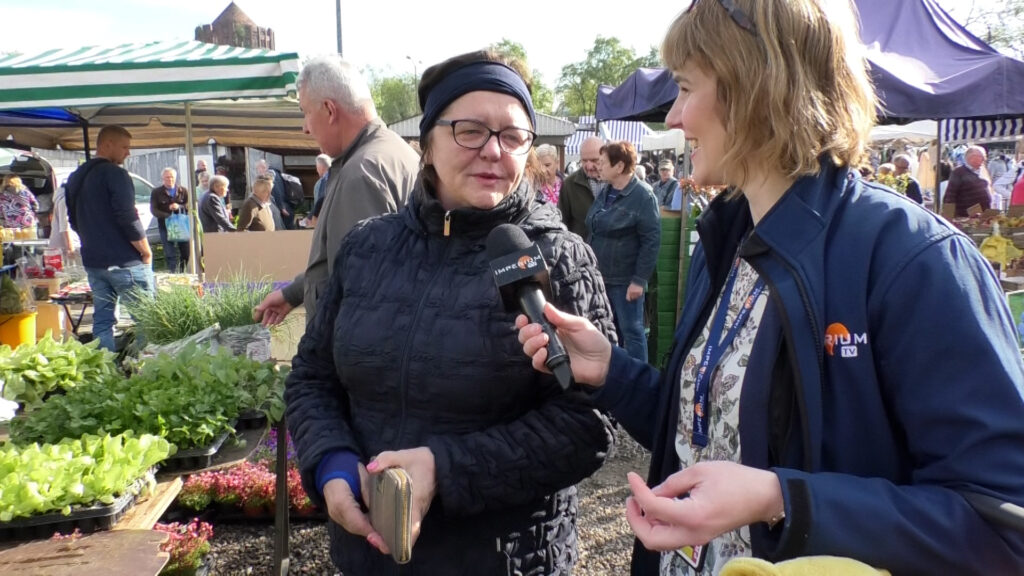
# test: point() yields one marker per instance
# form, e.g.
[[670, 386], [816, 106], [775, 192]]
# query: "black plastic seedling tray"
[[193, 458]]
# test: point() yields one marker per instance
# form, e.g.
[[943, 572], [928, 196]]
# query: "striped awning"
[[978, 130], [180, 71], [609, 130]]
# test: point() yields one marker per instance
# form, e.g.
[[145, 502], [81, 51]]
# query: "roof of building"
[[233, 15]]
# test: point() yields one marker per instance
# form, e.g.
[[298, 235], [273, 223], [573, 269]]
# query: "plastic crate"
[[251, 419]]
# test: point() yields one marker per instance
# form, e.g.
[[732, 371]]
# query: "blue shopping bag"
[[178, 229]]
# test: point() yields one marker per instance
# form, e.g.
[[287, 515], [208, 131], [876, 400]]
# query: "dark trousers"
[[175, 253]]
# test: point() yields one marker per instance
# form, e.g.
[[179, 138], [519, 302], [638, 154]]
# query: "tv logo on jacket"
[[838, 335]]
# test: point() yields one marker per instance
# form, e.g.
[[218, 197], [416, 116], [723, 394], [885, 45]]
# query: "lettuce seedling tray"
[[86, 519], [194, 458]]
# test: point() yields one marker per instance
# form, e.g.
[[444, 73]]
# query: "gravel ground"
[[605, 539]]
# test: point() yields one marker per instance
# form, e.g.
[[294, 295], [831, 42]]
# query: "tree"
[[543, 97], [1000, 24], [394, 96], [607, 62]]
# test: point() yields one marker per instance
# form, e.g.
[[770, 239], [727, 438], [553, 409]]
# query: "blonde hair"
[[12, 181], [795, 90]]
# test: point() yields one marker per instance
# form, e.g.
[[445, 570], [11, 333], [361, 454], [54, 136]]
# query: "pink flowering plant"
[[186, 545]]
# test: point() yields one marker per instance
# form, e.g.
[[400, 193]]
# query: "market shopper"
[[968, 186], [625, 233], [666, 188], [18, 205], [412, 361], [170, 198], [581, 187], [372, 173], [863, 383], [213, 212], [115, 251], [256, 213]]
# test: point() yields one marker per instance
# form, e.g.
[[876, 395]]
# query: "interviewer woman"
[[412, 361], [845, 379]]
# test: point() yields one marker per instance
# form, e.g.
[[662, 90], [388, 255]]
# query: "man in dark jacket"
[[580, 189], [966, 186], [372, 173], [101, 208], [166, 199]]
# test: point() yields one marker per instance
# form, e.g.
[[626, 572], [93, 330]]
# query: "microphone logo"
[[525, 262]]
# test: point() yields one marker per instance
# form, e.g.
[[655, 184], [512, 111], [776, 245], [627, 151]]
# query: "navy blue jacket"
[[411, 346], [101, 208], [876, 430], [626, 235]]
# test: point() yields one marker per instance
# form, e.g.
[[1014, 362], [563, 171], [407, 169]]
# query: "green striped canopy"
[[179, 71]]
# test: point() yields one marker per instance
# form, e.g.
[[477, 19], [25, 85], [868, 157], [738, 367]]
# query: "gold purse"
[[391, 511]]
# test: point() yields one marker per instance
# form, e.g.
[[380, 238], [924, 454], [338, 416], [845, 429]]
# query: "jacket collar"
[[371, 127], [426, 215]]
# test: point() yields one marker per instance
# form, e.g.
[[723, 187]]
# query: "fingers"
[[661, 508], [677, 484], [653, 535], [562, 320]]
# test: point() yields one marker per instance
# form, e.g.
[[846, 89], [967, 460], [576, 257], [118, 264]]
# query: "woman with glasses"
[[625, 233], [414, 362], [845, 379]]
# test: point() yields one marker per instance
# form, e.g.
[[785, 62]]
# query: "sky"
[[390, 36]]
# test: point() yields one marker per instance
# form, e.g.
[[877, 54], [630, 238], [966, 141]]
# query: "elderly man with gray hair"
[[372, 172], [901, 163], [967, 185], [580, 189]]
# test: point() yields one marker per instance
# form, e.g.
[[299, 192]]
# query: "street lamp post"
[[415, 70]]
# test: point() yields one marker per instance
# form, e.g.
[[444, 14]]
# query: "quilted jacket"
[[412, 347]]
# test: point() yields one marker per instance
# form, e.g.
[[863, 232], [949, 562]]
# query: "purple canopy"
[[924, 65]]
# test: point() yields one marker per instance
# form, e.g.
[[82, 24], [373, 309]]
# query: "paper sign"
[[974, 210]]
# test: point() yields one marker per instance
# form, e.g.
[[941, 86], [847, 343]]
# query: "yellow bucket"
[[17, 329]]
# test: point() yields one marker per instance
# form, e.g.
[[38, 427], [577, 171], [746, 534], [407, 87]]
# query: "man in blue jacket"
[[115, 251]]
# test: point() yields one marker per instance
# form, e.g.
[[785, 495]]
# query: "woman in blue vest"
[[846, 379]]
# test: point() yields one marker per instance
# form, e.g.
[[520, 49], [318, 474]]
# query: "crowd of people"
[[800, 413]]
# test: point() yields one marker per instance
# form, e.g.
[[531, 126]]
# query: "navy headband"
[[483, 75]]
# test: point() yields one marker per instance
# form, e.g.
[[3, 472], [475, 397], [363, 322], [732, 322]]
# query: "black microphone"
[[522, 277]]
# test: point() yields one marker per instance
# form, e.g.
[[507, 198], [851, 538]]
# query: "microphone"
[[522, 278]]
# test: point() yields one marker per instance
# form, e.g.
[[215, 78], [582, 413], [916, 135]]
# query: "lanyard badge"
[[715, 348]]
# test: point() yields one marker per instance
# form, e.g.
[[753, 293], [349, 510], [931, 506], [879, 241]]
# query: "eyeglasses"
[[738, 16], [475, 135]]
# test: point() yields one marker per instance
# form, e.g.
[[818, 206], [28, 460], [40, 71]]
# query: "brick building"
[[234, 28]]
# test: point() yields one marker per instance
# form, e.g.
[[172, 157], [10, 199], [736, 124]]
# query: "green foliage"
[[394, 96], [542, 95], [188, 399], [12, 298], [36, 479], [607, 62], [34, 370], [1000, 24], [176, 312]]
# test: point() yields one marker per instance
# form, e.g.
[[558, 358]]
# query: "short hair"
[[169, 169], [262, 183], [640, 171], [218, 179], [112, 132], [621, 151], [794, 90], [324, 160], [976, 150], [13, 181], [329, 77], [886, 168], [901, 158], [547, 150]]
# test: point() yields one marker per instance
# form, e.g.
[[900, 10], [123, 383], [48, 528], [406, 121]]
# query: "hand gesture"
[[696, 505], [634, 291], [343, 509], [418, 463], [589, 350], [174, 206], [272, 310]]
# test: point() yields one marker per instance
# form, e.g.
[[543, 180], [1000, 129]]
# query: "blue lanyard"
[[715, 348]]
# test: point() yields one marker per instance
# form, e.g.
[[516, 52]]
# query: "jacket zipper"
[[404, 384], [448, 223]]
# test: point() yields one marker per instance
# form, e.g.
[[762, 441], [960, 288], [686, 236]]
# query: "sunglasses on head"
[[738, 15]]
